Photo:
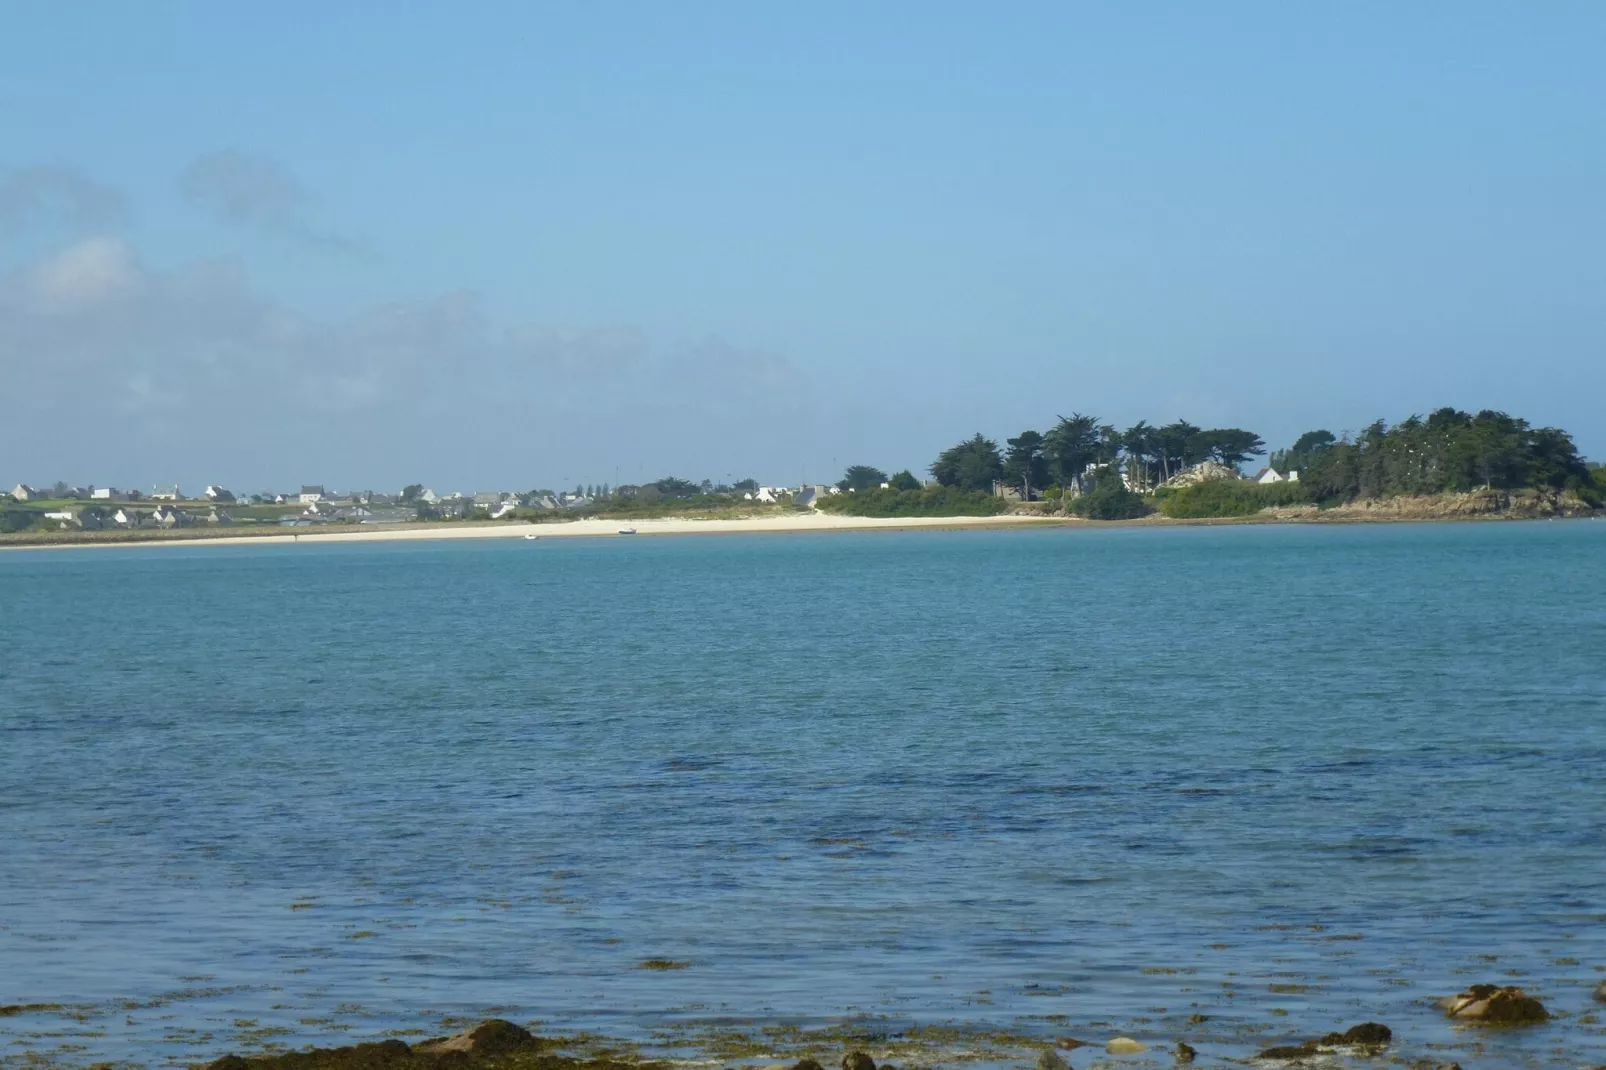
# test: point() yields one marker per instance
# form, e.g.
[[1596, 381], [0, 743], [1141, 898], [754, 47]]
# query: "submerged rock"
[[1600, 991], [857, 1060], [495, 1043], [1049, 1060], [494, 1037], [1071, 1043], [1125, 1046], [1185, 1052], [1369, 1035], [1496, 1005]]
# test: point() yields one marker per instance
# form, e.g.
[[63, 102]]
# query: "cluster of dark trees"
[[1449, 450], [1078, 449], [860, 477]]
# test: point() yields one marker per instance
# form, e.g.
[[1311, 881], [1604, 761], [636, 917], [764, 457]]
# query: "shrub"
[[1110, 500], [1230, 497], [928, 501]]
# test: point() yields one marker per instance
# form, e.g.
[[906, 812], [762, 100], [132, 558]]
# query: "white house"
[[165, 516], [768, 494], [168, 492], [807, 495], [1271, 475], [216, 493], [503, 508], [310, 494], [104, 494], [25, 493], [128, 518]]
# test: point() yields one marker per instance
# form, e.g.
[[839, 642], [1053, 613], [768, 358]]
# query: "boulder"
[[807, 1064], [1496, 1005], [857, 1060], [1369, 1035], [1049, 1060], [1600, 991], [1185, 1052], [493, 1037], [1125, 1046], [381, 1055]]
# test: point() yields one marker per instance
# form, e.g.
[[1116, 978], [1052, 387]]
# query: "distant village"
[[164, 507]]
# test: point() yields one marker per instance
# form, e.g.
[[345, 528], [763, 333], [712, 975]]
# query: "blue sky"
[[516, 244]]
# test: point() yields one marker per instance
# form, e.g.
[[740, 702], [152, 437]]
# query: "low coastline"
[[785, 524]]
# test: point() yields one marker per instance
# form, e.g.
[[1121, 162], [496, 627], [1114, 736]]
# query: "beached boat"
[[627, 531]]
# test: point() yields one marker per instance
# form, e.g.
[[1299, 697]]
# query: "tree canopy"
[[974, 464], [1025, 464], [862, 477], [1451, 450]]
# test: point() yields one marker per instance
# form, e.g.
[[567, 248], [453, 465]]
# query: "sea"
[[1235, 785]]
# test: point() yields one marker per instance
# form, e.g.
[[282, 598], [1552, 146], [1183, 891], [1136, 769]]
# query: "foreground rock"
[[1185, 1052], [1600, 991], [857, 1060], [492, 1043], [1050, 1060], [1496, 1005], [1369, 1036], [495, 1037]]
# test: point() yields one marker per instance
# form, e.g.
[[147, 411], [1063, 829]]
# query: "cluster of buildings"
[[166, 506]]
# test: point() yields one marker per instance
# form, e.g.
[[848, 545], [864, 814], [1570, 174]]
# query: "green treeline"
[[1449, 451], [1101, 472]]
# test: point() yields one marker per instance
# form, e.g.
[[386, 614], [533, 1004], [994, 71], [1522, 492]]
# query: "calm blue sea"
[[1084, 782]]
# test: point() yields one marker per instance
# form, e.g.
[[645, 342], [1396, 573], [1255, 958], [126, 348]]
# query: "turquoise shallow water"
[[1057, 781]]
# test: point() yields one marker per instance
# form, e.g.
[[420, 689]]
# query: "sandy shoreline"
[[784, 523], [794, 523]]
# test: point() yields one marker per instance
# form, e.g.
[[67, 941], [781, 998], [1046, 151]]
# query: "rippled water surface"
[[1080, 782]]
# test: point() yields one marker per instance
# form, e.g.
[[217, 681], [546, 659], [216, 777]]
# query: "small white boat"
[[627, 531], [532, 536]]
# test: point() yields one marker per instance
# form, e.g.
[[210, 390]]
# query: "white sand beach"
[[591, 528]]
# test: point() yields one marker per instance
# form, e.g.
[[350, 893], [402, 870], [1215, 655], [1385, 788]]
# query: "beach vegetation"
[[905, 480], [938, 500], [1228, 498], [1110, 499]]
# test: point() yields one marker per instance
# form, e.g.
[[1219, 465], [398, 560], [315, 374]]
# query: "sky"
[[514, 245]]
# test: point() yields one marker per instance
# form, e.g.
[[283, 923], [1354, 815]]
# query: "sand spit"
[[791, 523]]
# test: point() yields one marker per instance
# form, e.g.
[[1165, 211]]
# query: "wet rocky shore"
[[1482, 1016], [1491, 1026]]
